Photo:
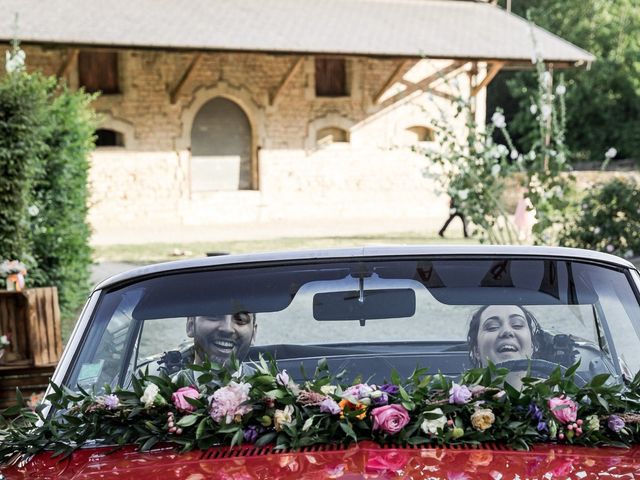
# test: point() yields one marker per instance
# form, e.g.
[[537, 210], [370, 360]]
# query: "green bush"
[[61, 243], [46, 134], [23, 133], [608, 220]]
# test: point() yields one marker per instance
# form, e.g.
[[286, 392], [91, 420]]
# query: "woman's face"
[[503, 335]]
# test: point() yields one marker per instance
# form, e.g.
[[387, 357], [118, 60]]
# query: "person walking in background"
[[454, 212]]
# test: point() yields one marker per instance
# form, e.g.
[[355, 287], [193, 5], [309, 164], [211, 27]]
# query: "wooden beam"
[[438, 93], [71, 57], [402, 68], [185, 77], [285, 80], [493, 71], [423, 84]]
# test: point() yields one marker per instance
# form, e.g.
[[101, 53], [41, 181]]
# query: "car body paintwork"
[[364, 460]]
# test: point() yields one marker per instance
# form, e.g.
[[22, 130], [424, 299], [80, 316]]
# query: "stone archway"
[[221, 147]]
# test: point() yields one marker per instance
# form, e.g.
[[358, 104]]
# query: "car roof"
[[364, 252]]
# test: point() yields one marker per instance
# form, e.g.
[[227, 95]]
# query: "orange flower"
[[359, 407]]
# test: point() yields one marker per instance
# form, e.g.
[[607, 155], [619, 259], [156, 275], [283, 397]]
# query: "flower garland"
[[268, 407]]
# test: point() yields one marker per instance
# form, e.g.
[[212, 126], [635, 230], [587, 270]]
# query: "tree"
[[46, 135], [602, 102]]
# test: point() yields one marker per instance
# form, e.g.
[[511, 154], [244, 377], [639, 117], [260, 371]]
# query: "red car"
[[430, 362]]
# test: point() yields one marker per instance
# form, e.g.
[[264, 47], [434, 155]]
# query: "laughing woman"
[[499, 333]]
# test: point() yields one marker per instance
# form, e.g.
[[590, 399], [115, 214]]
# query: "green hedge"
[[608, 220], [46, 134]]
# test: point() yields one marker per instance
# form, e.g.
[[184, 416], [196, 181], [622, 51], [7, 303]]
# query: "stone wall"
[[373, 176]]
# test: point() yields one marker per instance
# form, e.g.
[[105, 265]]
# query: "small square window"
[[109, 138], [98, 72], [331, 77]]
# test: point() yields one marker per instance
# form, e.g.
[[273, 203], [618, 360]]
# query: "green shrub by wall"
[[608, 219], [46, 134], [23, 133]]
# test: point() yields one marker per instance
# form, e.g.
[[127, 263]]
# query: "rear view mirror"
[[364, 305]]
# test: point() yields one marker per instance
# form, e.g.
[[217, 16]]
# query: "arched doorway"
[[220, 147]]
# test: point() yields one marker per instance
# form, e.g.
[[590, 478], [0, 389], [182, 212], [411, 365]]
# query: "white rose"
[[561, 89], [463, 194], [432, 426], [328, 389], [546, 111], [14, 61], [612, 152], [533, 109], [149, 395], [502, 150], [495, 170], [4, 340], [498, 120], [514, 154]]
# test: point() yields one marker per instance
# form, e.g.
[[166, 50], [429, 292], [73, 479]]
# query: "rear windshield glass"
[[368, 317]]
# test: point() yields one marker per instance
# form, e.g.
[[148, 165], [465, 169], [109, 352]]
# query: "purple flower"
[[359, 391], [283, 378], [111, 402], [379, 398], [390, 389], [459, 394], [328, 405], [615, 423], [542, 426], [252, 432], [535, 412]]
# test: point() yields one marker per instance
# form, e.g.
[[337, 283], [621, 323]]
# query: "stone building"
[[220, 113]]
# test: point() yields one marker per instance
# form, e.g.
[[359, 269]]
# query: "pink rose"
[[564, 409], [179, 398], [390, 418]]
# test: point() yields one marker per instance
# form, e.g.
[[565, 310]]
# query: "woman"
[[499, 333]]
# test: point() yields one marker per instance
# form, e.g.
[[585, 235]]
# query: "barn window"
[[98, 71], [331, 77], [329, 135], [109, 138], [421, 134]]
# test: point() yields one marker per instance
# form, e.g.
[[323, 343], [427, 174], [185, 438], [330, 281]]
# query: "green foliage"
[[603, 101], [46, 133], [273, 409], [61, 233], [608, 219], [480, 170], [23, 134]]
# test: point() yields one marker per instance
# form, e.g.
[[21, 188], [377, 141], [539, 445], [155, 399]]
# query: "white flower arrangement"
[[12, 267]]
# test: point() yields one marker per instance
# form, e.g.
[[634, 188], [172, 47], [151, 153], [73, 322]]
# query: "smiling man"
[[216, 338]]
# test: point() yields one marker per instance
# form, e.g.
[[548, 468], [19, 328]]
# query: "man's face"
[[215, 338]]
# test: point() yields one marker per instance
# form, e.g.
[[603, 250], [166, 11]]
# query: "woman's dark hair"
[[537, 334]]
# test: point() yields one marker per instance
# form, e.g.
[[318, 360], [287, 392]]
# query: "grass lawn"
[[160, 252]]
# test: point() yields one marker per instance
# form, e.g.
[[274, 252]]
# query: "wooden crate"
[[32, 319], [30, 381]]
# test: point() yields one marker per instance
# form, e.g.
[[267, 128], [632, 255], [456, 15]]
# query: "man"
[[215, 338]]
